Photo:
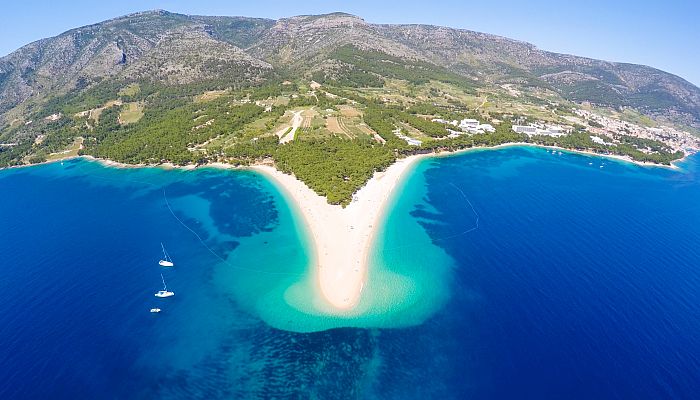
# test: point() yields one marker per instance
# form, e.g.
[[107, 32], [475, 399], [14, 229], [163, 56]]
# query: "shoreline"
[[342, 237], [625, 159], [443, 153]]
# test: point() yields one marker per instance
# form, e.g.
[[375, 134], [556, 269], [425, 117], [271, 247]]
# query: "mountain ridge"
[[84, 55]]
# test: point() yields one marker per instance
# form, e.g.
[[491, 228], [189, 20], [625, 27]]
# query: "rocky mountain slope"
[[174, 49]]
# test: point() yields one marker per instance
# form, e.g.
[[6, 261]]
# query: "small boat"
[[155, 310], [164, 293], [166, 261]]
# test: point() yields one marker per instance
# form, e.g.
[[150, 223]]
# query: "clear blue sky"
[[662, 34]]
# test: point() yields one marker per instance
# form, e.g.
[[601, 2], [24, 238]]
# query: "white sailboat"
[[166, 261], [155, 310], [164, 292]]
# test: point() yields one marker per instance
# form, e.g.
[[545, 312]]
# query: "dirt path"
[[486, 99], [297, 119]]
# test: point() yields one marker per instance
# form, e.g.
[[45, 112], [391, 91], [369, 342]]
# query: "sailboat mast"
[[165, 253], [164, 285]]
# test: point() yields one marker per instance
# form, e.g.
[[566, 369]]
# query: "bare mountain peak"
[[333, 20]]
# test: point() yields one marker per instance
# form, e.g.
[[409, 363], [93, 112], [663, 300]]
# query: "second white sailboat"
[[164, 292]]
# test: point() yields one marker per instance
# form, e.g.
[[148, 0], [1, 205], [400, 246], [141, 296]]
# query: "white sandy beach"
[[342, 236]]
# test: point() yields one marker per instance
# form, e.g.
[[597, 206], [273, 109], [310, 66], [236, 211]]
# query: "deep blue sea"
[[567, 277]]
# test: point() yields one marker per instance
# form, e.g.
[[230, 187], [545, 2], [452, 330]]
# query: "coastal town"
[[603, 130], [609, 129]]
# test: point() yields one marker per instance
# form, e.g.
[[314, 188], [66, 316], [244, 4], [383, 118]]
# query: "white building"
[[530, 130], [486, 128], [468, 123]]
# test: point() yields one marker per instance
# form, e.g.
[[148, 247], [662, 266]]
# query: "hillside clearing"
[[71, 151], [131, 113]]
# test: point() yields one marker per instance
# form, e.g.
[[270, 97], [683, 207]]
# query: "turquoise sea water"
[[514, 273]]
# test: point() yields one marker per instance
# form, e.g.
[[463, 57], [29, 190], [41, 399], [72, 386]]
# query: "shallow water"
[[565, 280]]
